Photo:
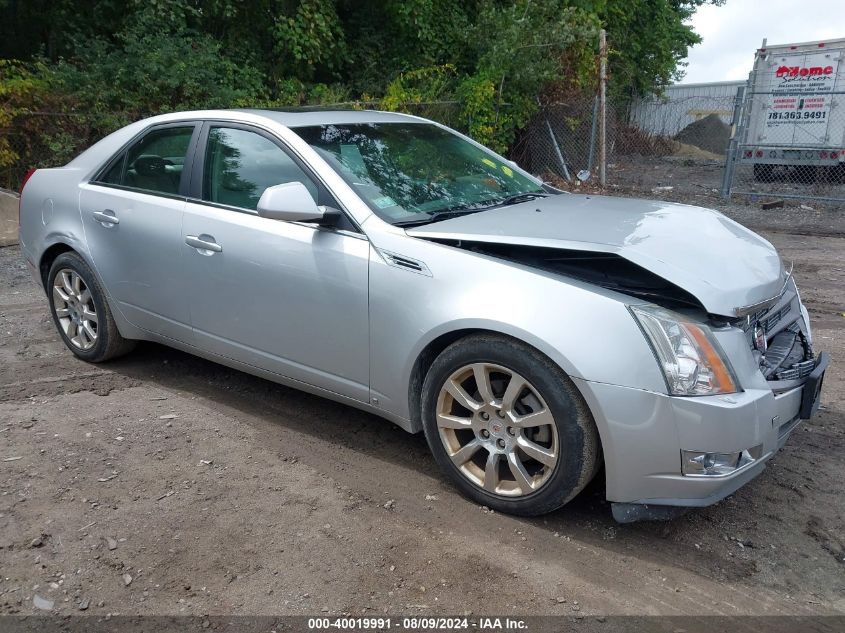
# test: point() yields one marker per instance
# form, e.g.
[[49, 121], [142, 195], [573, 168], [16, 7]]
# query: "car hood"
[[721, 263]]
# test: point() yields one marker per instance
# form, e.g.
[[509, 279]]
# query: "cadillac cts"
[[390, 263]]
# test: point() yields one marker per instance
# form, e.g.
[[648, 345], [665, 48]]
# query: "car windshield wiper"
[[517, 198], [441, 215], [466, 209]]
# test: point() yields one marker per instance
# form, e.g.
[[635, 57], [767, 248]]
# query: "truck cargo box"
[[794, 112]]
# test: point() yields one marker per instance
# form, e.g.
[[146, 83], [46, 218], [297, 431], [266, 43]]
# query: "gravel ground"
[[165, 484]]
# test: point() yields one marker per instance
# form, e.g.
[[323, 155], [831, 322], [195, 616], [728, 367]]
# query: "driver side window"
[[240, 165]]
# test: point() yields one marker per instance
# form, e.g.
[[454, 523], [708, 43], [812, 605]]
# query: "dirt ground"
[[699, 182], [165, 484]]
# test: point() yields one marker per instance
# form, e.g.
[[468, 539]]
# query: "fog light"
[[701, 464]]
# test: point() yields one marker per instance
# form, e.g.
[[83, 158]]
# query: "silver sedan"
[[392, 264]]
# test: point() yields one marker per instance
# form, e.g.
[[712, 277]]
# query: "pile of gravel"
[[710, 134]]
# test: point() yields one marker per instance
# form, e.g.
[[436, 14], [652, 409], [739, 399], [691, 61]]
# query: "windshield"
[[409, 172]]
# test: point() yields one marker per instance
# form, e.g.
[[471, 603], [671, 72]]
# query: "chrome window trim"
[[311, 225], [315, 174], [146, 192], [198, 122], [100, 171]]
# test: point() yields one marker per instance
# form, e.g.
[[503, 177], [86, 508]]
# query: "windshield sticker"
[[508, 171], [488, 162], [384, 202]]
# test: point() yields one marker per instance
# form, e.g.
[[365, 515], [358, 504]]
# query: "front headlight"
[[689, 356]]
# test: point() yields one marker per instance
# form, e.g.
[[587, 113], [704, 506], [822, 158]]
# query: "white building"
[[682, 104]]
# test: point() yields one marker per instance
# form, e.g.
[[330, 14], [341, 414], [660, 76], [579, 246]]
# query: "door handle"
[[106, 217], [203, 243]]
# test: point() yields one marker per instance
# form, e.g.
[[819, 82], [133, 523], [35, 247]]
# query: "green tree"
[[648, 41], [158, 62], [496, 58]]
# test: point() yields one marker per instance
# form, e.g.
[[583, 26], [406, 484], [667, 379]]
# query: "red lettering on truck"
[[799, 71]]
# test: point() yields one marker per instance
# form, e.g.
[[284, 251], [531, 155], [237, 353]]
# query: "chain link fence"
[[660, 147], [48, 139], [654, 145], [790, 145], [560, 144]]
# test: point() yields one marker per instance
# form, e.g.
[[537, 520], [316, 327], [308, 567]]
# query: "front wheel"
[[507, 426]]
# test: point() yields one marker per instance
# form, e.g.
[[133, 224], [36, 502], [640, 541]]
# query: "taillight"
[[20, 196], [26, 178]]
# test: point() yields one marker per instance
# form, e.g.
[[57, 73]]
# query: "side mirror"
[[291, 202]]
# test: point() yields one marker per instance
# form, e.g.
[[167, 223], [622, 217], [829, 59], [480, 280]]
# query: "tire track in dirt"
[[338, 454]]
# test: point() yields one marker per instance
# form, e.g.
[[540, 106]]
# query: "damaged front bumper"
[[647, 436], [667, 453]]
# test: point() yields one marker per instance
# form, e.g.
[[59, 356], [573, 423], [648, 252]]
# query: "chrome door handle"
[[203, 243], [106, 217]]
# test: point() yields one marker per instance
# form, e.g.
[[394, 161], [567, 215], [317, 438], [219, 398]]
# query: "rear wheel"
[[508, 426], [806, 174], [764, 173], [80, 311]]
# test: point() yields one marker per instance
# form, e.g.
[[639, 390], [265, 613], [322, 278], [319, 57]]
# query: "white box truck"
[[794, 112]]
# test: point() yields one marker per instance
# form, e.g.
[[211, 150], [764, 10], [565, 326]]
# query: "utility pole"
[[602, 108]]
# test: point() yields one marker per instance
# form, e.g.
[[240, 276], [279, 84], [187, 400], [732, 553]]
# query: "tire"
[[557, 416], [806, 174], [764, 173], [80, 311]]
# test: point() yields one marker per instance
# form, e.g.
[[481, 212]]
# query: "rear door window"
[[153, 163]]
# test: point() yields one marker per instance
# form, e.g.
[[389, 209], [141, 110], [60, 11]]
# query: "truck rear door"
[[801, 108]]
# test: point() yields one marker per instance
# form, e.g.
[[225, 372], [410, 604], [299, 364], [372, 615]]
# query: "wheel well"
[[422, 365], [426, 358], [48, 258]]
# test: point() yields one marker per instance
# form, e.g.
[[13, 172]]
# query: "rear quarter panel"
[[50, 214], [50, 200]]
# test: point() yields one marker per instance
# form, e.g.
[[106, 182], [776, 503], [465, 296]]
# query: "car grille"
[[771, 319], [797, 371], [788, 355]]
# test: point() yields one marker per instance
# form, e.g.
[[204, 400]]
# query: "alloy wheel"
[[75, 309], [497, 430]]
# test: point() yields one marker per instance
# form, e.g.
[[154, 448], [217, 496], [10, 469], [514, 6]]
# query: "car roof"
[[317, 116], [294, 118], [291, 118]]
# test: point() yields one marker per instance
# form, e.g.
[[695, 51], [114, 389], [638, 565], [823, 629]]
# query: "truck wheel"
[[806, 174], [764, 173], [507, 426], [832, 175]]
